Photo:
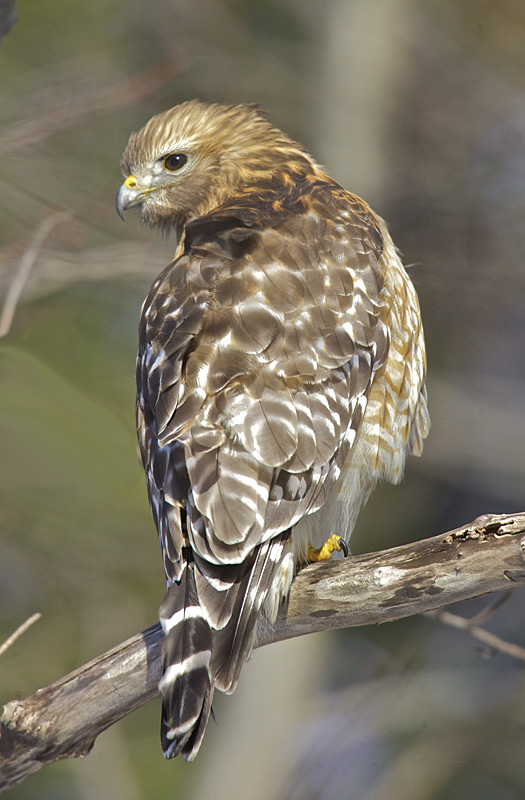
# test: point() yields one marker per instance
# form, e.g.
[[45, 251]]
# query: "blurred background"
[[419, 107]]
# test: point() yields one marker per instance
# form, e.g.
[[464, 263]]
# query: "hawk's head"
[[190, 159]]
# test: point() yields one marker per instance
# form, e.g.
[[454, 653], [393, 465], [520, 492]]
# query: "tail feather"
[[176, 741], [233, 644], [186, 686], [209, 618]]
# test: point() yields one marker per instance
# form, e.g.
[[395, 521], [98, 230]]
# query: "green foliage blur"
[[418, 107]]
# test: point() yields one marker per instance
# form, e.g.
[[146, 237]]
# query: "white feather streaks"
[[281, 363], [196, 661]]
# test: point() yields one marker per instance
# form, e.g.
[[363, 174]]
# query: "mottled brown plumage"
[[280, 373]]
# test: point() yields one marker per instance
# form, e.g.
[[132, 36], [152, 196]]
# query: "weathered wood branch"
[[64, 719]]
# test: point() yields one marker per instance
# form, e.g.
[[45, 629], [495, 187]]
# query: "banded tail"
[[186, 686], [209, 619]]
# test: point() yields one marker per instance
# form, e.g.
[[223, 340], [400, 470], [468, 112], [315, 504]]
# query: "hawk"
[[280, 374]]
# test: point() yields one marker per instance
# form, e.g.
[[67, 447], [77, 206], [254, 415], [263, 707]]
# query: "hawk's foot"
[[323, 553]]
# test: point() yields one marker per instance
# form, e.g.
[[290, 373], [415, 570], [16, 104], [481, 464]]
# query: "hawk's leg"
[[323, 553]]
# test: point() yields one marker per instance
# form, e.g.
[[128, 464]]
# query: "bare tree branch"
[[64, 719]]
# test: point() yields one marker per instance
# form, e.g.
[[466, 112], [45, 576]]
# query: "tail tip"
[[186, 742]]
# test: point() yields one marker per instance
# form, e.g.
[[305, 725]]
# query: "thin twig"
[[490, 639], [105, 100], [25, 266], [490, 609], [19, 632]]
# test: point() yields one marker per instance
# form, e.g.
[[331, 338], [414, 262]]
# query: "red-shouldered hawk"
[[280, 374]]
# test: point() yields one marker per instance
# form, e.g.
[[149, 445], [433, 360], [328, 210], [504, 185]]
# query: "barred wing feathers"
[[258, 348]]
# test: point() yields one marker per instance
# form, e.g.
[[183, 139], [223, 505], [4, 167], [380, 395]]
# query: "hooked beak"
[[128, 196]]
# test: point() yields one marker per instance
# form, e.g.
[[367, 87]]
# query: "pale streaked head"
[[190, 159]]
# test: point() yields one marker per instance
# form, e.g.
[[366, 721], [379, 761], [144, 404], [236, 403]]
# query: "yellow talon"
[[323, 553]]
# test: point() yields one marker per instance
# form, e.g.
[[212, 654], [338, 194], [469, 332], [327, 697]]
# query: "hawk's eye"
[[175, 161]]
